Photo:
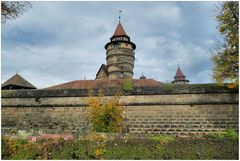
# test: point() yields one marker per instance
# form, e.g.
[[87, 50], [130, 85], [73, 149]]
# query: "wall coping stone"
[[161, 90]]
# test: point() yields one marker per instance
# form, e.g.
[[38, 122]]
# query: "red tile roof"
[[119, 31], [179, 75], [105, 83]]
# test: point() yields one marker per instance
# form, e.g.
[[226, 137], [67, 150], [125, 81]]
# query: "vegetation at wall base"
[[156, 147], [228, 133], [105, 115]]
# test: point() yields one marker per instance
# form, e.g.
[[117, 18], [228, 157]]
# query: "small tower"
[[142, 77], [120, 54], [179, 77]]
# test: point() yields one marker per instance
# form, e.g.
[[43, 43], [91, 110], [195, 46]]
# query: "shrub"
[[119, 148], [228, 133], [168, 86], [106, 115], [163, 139], [127, 85], [17, 149]]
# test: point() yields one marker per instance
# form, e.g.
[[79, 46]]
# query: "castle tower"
[[120, 55], [179, 77]]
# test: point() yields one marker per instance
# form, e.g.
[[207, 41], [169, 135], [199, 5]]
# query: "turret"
[[120, 55], [179, 77]]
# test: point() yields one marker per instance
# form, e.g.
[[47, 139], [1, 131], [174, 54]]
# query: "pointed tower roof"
[[180, 77], [179, 74], [120, 31], [19, 81]]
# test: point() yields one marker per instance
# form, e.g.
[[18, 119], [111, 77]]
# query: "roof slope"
[[104, 68], [179, 75], [17, 80], [105, 83], [119, 31]]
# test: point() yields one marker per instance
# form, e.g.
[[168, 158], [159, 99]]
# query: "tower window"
[[117, 45], [121, 71]]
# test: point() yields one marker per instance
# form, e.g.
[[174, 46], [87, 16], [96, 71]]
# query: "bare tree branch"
[[11, 10]]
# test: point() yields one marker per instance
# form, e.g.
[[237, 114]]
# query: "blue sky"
[[58, 42]]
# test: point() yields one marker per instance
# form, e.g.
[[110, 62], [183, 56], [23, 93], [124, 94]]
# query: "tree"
[[11, 10], [226, 65]]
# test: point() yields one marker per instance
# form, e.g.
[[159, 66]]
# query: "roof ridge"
[[17, 80]]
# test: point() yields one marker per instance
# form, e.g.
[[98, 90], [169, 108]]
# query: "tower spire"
[[179, 77], [119, 17]]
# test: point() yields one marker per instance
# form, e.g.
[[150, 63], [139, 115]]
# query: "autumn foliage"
[[226, 58], [105, 114]]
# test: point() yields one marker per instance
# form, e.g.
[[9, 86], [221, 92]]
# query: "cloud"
[[56, 42], [161, 56]]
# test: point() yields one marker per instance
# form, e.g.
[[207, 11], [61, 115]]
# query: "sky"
[[59, 42]]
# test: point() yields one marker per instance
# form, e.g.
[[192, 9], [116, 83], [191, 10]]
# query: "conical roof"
[[120, 31], [179, 74], [17, 80]]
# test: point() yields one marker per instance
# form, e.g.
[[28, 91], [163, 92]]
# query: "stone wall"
[[181, 119], [38, 120], [180, 111]]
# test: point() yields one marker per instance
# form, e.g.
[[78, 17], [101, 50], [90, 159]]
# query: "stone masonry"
[[174, 112]]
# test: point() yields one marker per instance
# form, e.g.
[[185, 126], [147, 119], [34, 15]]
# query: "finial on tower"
[[119, 15], [178, 63], [142, 77]]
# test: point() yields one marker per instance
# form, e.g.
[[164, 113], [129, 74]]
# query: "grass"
[[157, 147]]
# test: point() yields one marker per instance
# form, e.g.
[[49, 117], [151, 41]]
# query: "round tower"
[[120, 55]]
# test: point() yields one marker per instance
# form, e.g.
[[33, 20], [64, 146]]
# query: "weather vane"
[[119, 15]]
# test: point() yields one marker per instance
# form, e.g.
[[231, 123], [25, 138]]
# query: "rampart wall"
[[178, 110]]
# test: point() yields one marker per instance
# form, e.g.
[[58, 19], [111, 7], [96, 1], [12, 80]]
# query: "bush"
[[163, 139], [228, 133], [105, 115], [155, 148], [127, 85], [17, 149]]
